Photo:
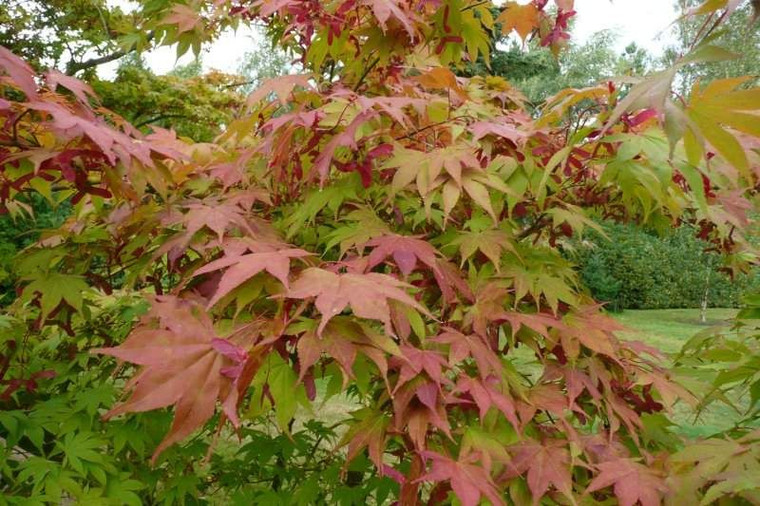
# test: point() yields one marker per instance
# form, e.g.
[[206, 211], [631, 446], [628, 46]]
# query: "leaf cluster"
[[377, 229]]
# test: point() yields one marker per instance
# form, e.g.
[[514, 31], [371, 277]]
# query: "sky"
[[644, 22]]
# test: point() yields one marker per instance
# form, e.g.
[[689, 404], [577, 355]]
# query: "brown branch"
[[420, 130], [535, 227], [243, 83], [159, 118], [73, 67]]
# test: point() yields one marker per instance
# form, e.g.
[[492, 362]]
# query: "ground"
[[668, 330]]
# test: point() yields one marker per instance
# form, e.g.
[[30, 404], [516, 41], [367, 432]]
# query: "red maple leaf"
[[462, 346], [184, 363], [407, 252], [281, 86], [385, 9], [486, 395], [469, 481], [368, 431], [242, 267], [80, 89], [547, 464], [19, 71], [366, 294], [184, 17], [341, 339], [633, 482], [217, 216]]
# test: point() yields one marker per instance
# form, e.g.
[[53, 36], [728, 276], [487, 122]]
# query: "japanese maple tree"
[[381, 227]]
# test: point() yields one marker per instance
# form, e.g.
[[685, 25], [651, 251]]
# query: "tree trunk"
[[703, 312]]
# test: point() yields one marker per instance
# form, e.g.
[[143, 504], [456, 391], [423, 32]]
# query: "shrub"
[[633, 268]]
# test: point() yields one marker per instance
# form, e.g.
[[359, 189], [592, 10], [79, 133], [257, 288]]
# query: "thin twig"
[[366, 73]]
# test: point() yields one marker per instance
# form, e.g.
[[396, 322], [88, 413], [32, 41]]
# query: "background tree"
[[540, 73], [583, 65], [737, 33], [264, 62], [73, 36], [194, 104]]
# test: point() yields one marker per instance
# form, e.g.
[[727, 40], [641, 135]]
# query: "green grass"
[[668, 330]]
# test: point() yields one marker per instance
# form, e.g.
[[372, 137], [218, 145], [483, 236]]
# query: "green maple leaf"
[[55, 288], [79, 448], [714, 109]]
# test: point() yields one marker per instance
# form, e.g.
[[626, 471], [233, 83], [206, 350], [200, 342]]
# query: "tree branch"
[[73, 67], [159, 118]]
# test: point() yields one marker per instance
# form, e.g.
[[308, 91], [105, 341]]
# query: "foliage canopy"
[[376, 227]]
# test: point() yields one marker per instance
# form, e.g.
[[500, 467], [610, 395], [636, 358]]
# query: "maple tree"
[[380, 227]]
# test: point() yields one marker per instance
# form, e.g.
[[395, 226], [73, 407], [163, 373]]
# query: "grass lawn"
[[668, 330]]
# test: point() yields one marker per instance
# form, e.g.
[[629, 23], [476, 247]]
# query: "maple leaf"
[[547, 464], [492, 243], [577, 381], [281, 86], [545, 397], [669, 390], [424, 168], [469, 481], [368, 431], [184, 17], [219, 217], [364, 226], [499, 127], [536, 280], [718, 105], [462, 346], [80, 89], [242, 267], [540, 323], [346, 138], [486, 395], [521, 18], [366, 294], [393, 106], [418, 402], [633, 482], [342, 339], [384, 9], [407, 251], [454, 168], [724, 467], [53, 289], [414, 361], [650, 93], [20, 72], [440, 78], [592, 329], [184, 363]]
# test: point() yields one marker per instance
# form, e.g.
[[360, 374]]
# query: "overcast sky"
[[642, 21]]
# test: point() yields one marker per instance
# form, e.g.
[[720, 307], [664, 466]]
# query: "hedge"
[[634, 268]]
